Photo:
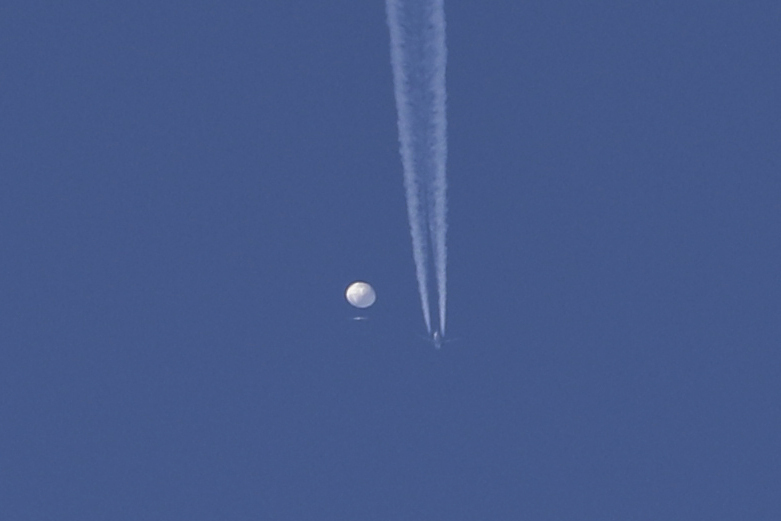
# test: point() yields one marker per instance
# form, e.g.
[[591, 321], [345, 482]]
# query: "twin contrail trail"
[[418, 57]]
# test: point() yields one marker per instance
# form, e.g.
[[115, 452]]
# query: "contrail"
[[418, 57]]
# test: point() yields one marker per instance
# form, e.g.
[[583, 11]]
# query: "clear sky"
[[186, 188]]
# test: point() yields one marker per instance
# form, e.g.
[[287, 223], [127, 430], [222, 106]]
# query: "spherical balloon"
[[360, 294]]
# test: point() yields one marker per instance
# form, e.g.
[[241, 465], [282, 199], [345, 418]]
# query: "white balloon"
[[360, 294]]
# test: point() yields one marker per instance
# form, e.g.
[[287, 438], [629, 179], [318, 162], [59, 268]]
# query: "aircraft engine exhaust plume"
[[418, 58]]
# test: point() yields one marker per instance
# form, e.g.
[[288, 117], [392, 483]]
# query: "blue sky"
[[187, 189]]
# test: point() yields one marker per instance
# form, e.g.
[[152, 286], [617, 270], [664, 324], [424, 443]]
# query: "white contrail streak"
[[418, 57]]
